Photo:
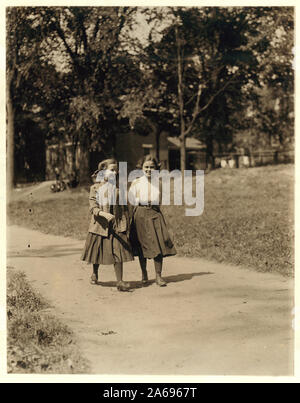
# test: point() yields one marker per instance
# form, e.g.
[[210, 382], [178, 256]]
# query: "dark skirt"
[[107, 250], [150, 237]]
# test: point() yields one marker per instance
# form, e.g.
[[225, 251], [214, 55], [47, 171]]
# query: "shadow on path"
[[169, 279]]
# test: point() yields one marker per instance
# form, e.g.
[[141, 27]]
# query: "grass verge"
[[37, 342]]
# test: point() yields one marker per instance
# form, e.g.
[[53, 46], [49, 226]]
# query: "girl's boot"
[[143, 265], [158, 261], [94, 277], [121, 285]]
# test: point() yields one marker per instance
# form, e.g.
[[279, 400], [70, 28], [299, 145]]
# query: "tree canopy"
[[212, 67]]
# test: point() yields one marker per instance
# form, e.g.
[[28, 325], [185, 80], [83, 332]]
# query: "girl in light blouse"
[[151, 238]]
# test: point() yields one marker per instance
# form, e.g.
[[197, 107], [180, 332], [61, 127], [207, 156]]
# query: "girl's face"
[[148, 167], [111, 172], [113, 168]]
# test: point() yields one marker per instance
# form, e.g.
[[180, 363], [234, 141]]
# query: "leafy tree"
[[269, 103], [24, 38], [40, 105], [82, 49], [202, 71], [206, 72], [90, 43], [197, 67], [215, 40]]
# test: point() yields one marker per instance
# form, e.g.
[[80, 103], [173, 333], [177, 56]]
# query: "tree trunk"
[[73, 172], [156, 135], [210, 162], [157, 139], [84, 166], [182, 140], [74, 152], [113, 145], [182, 137], [10, 137]]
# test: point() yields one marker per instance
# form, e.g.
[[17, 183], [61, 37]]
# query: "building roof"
[[191, 143]]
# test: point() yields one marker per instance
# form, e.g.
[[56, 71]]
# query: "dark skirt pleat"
[[152, 235], [107, 250]]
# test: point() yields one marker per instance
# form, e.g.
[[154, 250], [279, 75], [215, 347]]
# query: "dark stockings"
[[158, 264], [95, 270], [143, 264]]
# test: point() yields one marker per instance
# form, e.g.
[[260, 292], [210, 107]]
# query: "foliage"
[[23, 49], [90, 44], [229, 59], [78, 71], [224, 75], [268, 103]]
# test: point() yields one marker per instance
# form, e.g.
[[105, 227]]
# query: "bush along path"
[[211, 319]]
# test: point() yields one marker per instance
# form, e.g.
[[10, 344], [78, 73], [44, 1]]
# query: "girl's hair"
[[105, 163], [148, 158]]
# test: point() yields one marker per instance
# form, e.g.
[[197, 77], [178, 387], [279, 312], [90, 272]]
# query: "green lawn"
[[248, 218]]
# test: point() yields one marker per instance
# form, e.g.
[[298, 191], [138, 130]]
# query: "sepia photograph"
[[150, 171]]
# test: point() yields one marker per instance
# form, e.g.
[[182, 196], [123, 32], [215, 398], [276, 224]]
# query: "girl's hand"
[[110, 217]]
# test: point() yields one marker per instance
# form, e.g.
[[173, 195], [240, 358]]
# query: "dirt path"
[[211, 319]]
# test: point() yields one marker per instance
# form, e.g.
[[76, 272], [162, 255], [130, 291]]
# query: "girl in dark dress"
[[151, 238], [107, 241]]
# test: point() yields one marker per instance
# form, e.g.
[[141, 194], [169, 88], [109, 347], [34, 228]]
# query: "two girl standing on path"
[[108, 238]]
